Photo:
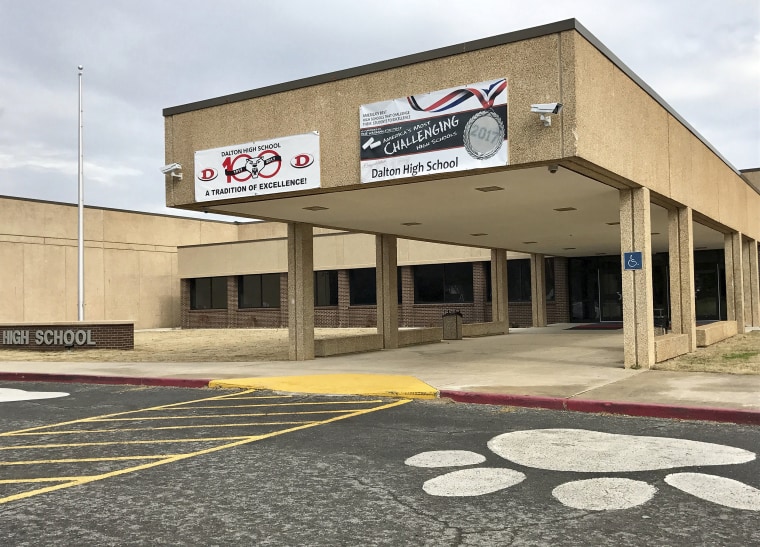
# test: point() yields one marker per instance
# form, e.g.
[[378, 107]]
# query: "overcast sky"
[[141, 56]]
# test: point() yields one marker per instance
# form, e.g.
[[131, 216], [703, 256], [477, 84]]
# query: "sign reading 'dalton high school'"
[[285, 164], [443, 131]]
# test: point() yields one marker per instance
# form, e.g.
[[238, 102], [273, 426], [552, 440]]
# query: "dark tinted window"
[[208, 293], [259, 291], [362, 287], [443, 283], [326, 288]]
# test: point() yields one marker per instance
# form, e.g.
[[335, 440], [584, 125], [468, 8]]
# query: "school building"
[[539, 142]]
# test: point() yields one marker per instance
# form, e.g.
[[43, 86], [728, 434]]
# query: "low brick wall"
[[412, 337], [483, 329], [715, 332], [72, 336], [348, 344], [669, 346]]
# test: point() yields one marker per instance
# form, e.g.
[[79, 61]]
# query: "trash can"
[[452, 325]]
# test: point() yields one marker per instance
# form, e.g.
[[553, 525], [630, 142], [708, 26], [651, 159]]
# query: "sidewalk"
[[549, 368]]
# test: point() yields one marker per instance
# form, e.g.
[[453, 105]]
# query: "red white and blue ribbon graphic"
[[486, 96]]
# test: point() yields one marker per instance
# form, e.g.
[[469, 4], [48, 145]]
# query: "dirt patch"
[[737, 355], [188, 346]]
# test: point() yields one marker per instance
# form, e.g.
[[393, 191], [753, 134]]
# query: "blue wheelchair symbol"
[[633, 261]]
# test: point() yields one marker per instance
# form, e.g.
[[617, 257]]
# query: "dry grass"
[[187, 346], [737, 355]]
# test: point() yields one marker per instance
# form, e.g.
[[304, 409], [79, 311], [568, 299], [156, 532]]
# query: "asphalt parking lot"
[[118, 465]]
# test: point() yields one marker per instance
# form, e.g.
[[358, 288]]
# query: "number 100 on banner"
[[284, 164]]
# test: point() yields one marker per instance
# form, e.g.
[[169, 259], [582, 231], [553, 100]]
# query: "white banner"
[[449, 130], [285, 164]]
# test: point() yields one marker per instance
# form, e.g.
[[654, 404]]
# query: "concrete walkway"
[[551, 364]]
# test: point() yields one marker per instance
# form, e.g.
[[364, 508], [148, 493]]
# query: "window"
[[208, 293], [259, 291], [518, 280], [326, 288], [549, 272], [362, 284], [443, 283]]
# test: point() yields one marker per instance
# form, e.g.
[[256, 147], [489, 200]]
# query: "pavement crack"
[[456, 531]]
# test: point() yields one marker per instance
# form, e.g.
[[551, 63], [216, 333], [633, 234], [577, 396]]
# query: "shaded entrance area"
[[595, 287]]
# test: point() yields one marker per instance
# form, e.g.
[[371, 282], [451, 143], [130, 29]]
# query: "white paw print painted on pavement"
[[583, 451], [8, 395]]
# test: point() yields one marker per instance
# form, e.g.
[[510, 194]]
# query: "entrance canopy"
[[532, 210]]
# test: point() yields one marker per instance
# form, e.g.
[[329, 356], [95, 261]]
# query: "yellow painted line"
[[281, 396], [80, 460], [162, 428], [107, 443], [43, 479], [84, 420], [238, 415], [372, 385], [180, 457], [372, 401]]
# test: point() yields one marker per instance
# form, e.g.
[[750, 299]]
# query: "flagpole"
[[80, 291]]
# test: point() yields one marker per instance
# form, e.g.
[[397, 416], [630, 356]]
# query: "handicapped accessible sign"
[[632, 261]]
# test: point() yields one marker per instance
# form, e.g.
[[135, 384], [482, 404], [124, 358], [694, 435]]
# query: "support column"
[[499, 296], [753, 316], [734, 279], [387, 289], [538, 289], [681, 252], [300, 292], [638, 312]]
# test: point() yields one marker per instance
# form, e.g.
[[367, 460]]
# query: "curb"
[[114, 380], [648, 410]]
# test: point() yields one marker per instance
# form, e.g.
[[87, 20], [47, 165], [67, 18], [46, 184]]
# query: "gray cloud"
[[141, 56]]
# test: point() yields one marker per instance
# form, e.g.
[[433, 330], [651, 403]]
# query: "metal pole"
[[80, 291]]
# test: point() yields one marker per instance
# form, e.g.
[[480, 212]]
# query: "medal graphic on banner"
[[484, 132]]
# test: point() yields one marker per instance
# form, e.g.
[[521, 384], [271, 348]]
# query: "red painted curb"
[[649, 410], [115, 380]]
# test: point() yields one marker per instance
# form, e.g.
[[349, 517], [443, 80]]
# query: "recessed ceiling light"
[[479, 234], [411, 223], [563, 209], [316, 208], [489, 188], [529, 242], [613, 224]]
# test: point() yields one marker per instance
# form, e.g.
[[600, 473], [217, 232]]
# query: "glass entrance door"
[[610, 290], [708, 300]]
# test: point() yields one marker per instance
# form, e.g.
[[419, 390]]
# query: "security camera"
[[172, 169], [545, 111], [553, 167], [546, 108]]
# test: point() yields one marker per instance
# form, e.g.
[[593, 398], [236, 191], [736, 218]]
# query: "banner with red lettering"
[[284, 164]]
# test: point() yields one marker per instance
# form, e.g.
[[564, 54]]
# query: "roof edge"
[[483, 43], [433, 54]]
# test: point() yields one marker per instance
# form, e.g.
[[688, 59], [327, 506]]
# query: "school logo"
[[207, 174], [302, 160]]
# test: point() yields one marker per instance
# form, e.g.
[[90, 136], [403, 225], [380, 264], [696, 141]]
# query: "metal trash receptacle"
[[452, 325]]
